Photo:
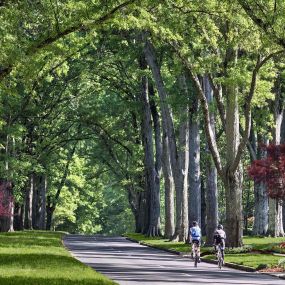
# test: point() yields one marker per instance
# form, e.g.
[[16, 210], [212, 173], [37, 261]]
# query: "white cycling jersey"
[[221, 233]]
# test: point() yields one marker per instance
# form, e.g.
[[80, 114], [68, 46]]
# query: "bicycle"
[[195, 253], [220, 256]]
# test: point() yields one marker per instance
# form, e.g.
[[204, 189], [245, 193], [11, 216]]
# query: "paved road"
[[129, 263]]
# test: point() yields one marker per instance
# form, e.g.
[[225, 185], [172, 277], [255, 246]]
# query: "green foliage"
[[75, 81], [281, 263], [261, 266]]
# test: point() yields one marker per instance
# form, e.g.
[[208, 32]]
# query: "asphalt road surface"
[[129, 263]]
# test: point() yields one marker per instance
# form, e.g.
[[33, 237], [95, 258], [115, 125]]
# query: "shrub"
[[261, 266], [281, 262], [244, 249]]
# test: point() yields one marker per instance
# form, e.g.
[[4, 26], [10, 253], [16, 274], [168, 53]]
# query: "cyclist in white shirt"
[[219, 238]]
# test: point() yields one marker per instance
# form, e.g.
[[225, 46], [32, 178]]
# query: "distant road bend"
[[129, 263]]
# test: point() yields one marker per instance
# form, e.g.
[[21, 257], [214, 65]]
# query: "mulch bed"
[[273, 270]]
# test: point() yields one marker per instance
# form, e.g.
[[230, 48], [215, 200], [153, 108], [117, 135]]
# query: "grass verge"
[[39, 258], [256, 261], [160, 242], [242, 256], [265, 244]]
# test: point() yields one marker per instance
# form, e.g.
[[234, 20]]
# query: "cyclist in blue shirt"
[[195, 237]]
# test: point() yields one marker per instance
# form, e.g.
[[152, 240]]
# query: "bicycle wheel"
[[196, 260], [220, 263], [195, 255], [220, 258]]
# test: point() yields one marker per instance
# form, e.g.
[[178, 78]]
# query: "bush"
[[243, 249], [281, 263], [261, 266]]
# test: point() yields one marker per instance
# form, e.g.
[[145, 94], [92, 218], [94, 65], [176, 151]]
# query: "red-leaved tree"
[[6, 199], [271, 170]]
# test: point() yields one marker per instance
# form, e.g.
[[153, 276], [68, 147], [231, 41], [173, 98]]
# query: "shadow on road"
[[131, 263]]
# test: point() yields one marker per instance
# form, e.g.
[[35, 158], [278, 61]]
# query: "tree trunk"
[[211, 201], [203, 208], [181, 178], [234, 225], [43, 190], [28, 223], [36, 204], [194, 165], [19, 217], [11, 218], [232, 178], [260, 226], [133, 202], [139, 216], [136, 198], [182, 221], [6, 206], [9, 188], [167, 122], [168, 129], [144, 210], [150, 170], [158, 149], [246, 207], [169, 191], [275, 227], [49, 213], [211, 175], [283, 215], [282, 141]]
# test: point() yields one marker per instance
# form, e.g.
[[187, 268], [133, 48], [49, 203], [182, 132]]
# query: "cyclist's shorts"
[[222, 243], [198, 242]]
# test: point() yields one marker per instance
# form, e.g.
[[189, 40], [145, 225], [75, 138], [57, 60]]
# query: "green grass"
[[160, 243], [251, 260], [177, 246], [39, 258], [241, 256], [265, 243]]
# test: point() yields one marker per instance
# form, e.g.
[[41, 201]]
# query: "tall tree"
[[211, 172], [194, 159], [151, 173], [275, 208], [178, 160]]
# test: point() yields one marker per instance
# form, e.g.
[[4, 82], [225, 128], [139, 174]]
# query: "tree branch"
[[205, 107], [112, 138], [266, 27], [219, 100], [247, 111], [4, 71], [78, 27]]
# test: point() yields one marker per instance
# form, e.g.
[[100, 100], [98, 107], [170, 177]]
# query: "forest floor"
[[259, 253], [38, 257]]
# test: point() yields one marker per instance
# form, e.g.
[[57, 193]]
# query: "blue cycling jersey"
[[195, 233]]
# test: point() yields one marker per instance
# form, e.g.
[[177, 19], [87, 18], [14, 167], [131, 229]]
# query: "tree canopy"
[[117, 115]]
